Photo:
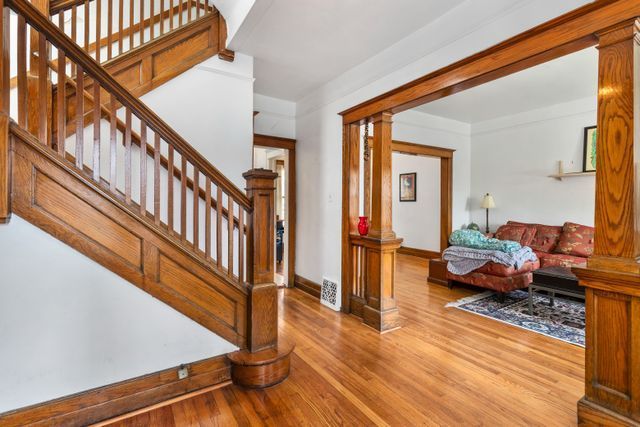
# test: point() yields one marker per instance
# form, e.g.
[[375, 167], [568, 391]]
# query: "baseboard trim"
[[308, 286], [422, 253], [121, 398]]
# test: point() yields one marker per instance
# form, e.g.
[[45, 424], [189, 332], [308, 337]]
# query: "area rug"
[[563, 321]]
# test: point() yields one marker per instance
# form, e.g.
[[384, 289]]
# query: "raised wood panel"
[[62, 205], [211, 299], [196, 290], [180, 52], [105, 402]]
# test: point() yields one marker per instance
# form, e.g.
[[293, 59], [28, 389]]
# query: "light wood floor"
[[444, 367]]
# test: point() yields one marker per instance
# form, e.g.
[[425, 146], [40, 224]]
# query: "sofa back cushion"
[[546, 237], [510, 232], [576, 240]]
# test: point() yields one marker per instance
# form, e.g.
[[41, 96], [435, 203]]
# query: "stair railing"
[[106, 29], [163, 184]]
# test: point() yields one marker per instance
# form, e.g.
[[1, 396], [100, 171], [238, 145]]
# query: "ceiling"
[[562, 80], [298, 45]]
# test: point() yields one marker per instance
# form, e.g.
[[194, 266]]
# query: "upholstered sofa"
[[568, 245]]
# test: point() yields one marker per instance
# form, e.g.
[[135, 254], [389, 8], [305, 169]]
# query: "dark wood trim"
[[5, 170], [292, 184], [308, 286], [568, 33], [422, 253], [446, 182], [262, 369], [116, 399]]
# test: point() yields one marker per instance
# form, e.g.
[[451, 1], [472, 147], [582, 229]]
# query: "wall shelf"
[[562, 174]]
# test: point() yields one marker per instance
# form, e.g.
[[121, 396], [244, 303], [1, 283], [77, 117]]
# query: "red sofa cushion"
[[576, 240], [560, 260], [546, 236], [502, 270], [510, 232]]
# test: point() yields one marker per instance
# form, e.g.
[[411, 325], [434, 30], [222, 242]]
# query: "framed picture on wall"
[[408, 187], [589, 158]]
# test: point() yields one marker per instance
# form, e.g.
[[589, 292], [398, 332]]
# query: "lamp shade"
[[488, 202]]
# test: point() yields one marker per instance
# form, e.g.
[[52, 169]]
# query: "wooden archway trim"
[[289, 145], [446, 181]]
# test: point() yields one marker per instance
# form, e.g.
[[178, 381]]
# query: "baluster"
[[196, 208], [197, 9], [131, 11], [141, 24], [143, 168], [113, 177], [170, 15], [207, 220], [22, 71], [98, 42], [43, 84], [74, 33], [183, 198], [86, 26], [230, 234], [189, 7], [180, 2], [120, 25], [79, 117], [156, 179], [127, 157], [241, 245], [162, 17], [109, 28], [170, 172], [97, 114], [219, 227], [152, 19]]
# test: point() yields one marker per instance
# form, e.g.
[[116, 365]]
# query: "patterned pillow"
[[510, 232], [528, 236], [545, 238], [576, 240]]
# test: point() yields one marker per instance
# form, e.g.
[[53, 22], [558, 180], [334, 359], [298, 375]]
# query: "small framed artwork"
[[408, 187], [589, 158]]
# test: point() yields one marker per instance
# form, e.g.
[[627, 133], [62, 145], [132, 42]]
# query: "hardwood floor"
[[443, 367]]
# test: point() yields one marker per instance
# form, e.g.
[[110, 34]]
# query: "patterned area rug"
[[563, 321]]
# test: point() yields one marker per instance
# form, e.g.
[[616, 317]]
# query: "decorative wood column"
[[266, 362], [612, 276], [381, 311]]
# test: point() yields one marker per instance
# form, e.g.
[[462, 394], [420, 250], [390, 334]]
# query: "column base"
[[382, 321], [262, 369], [5, 219], [592, 414]]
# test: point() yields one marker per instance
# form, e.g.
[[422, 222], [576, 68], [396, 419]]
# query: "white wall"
[[68, 324], [211, 106], [465, 30], [276, 117], [513, 156], [418, 223]]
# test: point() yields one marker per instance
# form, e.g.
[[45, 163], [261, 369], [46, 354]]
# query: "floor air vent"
[[329, 294]]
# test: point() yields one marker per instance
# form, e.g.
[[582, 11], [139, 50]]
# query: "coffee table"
[[554, 280]]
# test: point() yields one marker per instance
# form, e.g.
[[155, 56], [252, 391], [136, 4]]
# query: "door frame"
[[289, 145]]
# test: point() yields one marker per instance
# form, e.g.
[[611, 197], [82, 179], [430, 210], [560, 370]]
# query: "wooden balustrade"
[[357, 298], [137, 149], [108, 28]]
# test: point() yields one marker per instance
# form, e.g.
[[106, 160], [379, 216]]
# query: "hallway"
[[443, 367]]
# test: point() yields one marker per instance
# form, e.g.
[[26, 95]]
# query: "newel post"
[[612, 276], [262, 304]]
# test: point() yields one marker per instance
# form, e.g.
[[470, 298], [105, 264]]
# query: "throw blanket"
[[477, 240], [463, 260]]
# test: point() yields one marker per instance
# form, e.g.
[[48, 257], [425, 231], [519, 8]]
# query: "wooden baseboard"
[[591, 414], [113, 400], [422, 253], [305, 285]]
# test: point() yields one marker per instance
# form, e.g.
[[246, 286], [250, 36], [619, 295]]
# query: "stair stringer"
[[54, 196]]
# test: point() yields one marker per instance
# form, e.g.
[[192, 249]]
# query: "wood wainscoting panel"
[[120, 398], [55, 197], [308, 286]]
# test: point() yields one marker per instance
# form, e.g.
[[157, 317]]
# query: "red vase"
[[363, 226]]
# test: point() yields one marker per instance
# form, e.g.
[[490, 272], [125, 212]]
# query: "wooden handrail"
[[73, 52]]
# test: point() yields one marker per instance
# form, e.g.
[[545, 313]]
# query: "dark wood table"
[[554, 280]]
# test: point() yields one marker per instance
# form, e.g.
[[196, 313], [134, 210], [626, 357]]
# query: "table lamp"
[[488, 203]]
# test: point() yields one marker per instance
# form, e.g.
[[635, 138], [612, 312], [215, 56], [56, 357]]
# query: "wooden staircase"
[[127, 190]]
